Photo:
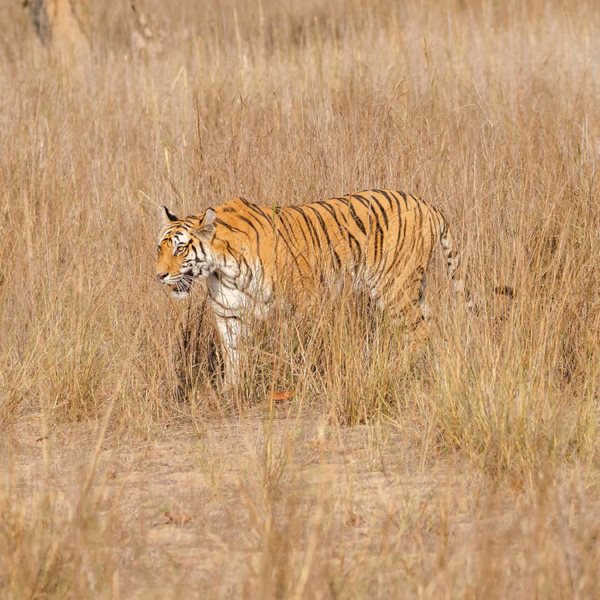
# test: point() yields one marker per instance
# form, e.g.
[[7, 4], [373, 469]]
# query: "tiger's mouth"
[[181, 289]]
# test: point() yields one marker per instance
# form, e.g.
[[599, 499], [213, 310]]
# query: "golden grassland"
[[469, 470]]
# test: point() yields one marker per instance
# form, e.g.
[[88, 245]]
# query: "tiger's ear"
[[207, 225], [209, 217], [170, 217]]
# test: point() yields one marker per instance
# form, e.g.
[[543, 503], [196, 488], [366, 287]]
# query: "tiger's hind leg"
[[421, 327], [417, 333], [407, 308], [422, 303]]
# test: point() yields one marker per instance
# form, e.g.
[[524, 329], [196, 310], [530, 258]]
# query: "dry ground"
[[470, 470], [279, 508]]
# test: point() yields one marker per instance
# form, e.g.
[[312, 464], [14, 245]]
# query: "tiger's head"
[[184, 251]]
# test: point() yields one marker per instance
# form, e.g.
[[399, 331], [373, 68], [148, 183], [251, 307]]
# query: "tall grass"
[[488, 110]]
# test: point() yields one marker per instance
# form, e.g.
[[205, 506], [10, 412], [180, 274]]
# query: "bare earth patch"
[[268, 507]]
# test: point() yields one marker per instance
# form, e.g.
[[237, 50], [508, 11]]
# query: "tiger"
[[383, 240]]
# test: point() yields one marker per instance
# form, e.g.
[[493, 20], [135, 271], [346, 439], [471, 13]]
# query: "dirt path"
[[248, 506]]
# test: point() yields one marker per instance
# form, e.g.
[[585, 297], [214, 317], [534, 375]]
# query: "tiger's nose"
[[162, 276]]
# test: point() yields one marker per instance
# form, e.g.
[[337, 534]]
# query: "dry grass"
[[468, 470]]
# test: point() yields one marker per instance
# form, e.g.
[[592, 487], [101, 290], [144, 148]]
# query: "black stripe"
[[282, 221], [394, 202], [210, 293], [246, 220], [357, 246], [403, 196], [432, 240], [306, 245], [362, 200], [353, 243], [280, 235], [357, 220], [260, 212], [378, 229], [391, 199], [331, 210], [323, 225], [417, 229], [246, 280], [402, 224], [228, 226], [256, 218], [378, 238], [383, 212], [311, 229]]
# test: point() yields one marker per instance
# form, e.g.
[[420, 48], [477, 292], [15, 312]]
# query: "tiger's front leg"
[[230, 332], [233, 303]]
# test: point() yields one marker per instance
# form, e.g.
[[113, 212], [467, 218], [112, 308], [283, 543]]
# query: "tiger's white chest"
[[225, 295], [238, 295]]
